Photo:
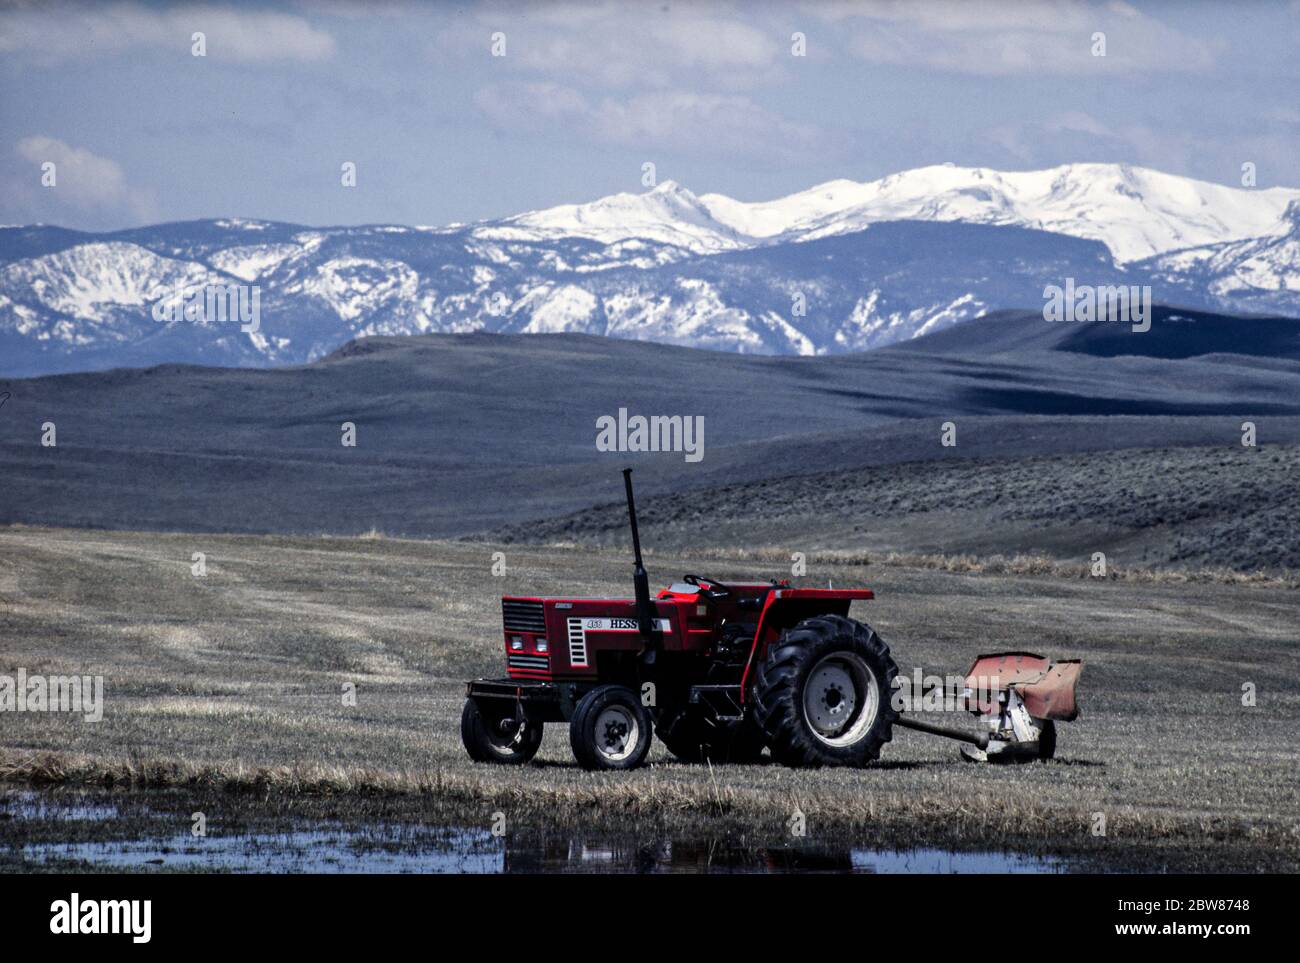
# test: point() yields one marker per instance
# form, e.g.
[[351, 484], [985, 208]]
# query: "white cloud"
[[1076, 136], [622, 45], [711, 123], [993, 37], [85, 182], [55, 34], [654, 78]]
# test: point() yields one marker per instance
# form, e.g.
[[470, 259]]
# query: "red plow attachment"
[[1018, 697]]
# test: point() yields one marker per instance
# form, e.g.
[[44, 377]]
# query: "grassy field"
[[229, 687]]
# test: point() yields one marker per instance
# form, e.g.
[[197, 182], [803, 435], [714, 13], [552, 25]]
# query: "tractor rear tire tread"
[[778, 702], [680, 737], [691, 740]]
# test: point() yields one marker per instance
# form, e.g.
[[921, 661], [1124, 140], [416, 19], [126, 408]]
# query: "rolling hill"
[[459, 434]]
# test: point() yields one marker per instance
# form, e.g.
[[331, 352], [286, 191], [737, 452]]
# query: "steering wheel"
[[715, 589]]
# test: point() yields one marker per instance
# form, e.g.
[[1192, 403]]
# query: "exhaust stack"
[[640, 582]]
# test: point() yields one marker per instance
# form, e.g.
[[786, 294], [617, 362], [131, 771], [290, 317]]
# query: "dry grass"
[[640, 805], [1018, 564], [231, 685]]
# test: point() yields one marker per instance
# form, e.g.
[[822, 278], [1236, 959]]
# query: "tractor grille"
[[534, 662], [577, 644], [523, 616]]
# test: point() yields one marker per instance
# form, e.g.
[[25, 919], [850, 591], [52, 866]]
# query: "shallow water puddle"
[[307, 846], [34, 805], [712, 856], [331, 850]]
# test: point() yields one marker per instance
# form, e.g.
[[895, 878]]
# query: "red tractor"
[[719, 672]]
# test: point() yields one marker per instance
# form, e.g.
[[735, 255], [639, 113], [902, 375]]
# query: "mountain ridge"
[[817, 272], [1048, 199]]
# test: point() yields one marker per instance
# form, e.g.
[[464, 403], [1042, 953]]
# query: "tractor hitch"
[[1019, 698], [979, 739]]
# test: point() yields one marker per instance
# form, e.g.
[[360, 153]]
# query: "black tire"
[[1047, 740], [610, 729], [688, 737], [485, 743], [853, 669]]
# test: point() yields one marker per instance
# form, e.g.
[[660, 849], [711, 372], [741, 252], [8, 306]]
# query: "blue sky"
[[586, 93]]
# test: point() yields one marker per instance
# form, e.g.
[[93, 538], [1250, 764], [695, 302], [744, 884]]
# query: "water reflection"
[[39, 831]]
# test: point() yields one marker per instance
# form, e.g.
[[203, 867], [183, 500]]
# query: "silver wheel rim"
[[617, 733], [502, 744], [841, 699]]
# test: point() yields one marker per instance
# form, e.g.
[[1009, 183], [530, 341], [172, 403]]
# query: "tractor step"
[[722, 701]]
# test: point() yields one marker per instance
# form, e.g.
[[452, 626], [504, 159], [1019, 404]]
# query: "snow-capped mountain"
[[1134, 211], [1260, 274], [841, 267], [667, 214]]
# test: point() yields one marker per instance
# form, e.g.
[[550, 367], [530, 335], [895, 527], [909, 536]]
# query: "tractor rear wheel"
[[486, 741], [823, 694], [610, 729], [691, 739]]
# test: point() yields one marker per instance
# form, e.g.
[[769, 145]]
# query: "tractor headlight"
[[517, 642], [541, 645]]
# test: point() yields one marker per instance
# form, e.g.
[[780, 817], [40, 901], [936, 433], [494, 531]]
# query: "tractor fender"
[[786, 607]]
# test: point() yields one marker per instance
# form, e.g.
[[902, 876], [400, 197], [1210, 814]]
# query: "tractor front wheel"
[[823, 694], [610, 729], [489, 740]]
